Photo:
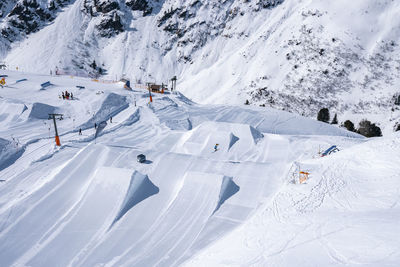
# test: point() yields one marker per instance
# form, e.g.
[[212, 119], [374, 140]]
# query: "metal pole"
[[151, 98], [57, 138], [55, 124]]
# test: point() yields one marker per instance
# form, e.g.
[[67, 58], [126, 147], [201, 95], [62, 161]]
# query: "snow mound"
[[233, 139], [95, 212], [140, 188], [24, 109], [194, 203], [256, 134], [10, 111], [201, 140], [135, 117], [41, 111], [100, 128], [111, 106], [228, 189], [184, 124], [9, 153], [171, 114]]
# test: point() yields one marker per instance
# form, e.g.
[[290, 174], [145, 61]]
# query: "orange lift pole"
[[53, 116]]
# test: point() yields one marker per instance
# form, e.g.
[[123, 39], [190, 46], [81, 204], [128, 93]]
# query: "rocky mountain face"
[[182, 24], [322, 69], [23, 17], [299, 56]]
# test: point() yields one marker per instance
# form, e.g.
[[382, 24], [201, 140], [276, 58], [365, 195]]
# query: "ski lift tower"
[[173, 80], [53, 117], [149, 88]]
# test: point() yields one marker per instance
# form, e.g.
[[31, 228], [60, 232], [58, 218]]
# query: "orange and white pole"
[[151, 98], [58, 143]]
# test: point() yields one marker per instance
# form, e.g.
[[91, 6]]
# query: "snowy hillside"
[[299, 56], [346, 215], [90, 203]]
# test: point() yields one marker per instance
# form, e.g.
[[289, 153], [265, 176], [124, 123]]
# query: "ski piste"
[[90, 202]]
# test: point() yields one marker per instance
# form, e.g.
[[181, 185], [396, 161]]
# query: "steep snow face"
[[299, 56]]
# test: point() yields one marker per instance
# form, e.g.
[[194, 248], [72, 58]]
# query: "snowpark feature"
[[9, 153], [10, 111], [112, 105], [44, 85], [345, 215], [41, 111], [91, 203]]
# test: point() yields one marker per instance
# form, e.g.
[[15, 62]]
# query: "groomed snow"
[[90, 203]]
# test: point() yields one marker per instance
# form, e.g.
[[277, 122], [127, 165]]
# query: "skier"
[[80, 131], [63, 96], [216, 147], [72, 96], [110, 119], [95, 125]]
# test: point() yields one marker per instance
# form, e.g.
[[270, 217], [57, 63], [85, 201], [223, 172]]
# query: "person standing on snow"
[[216, 147], [80, 131], [110, 119], [95, 125]]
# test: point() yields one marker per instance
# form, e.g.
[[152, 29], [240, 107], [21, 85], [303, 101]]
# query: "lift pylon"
[[53, 117]]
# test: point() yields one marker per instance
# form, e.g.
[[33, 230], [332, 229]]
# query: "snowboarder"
[[80, 131], [216, 147], [110, 119]]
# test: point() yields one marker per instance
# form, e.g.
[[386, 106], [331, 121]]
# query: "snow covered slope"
[[299, 56], [346, 214], [89, 202]]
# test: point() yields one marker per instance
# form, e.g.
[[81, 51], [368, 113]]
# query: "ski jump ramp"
[[38, 214], [91, 217], [101, 215], [201, 197], [195, 198], [111, 193], [237, 142]]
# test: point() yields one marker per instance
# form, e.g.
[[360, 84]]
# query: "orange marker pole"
[[58, 143], [151, 98]]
